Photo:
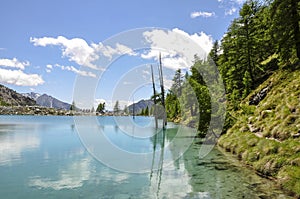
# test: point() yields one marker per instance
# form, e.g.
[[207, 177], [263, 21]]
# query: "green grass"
[[3, 103], [277, 118]]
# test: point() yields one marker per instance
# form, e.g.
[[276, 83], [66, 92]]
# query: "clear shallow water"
[[43, 157]]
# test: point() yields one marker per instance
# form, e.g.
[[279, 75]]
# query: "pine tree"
[[285, 27], [101, 108], [146, 113], [177, 83], [73, 107], [116, 107]]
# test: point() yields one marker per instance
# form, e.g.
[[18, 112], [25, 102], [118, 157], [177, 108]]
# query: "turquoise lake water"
[[64, 157]]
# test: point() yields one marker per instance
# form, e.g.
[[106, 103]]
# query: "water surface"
[[43, 157]]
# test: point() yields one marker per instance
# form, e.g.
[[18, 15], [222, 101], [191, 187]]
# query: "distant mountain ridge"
[[47, 101], [32, 95], [140, 105], [9, 97]]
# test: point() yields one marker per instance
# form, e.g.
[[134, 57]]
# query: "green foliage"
[[3, 103], [285, 27], [247, 82], [145, 112], [101, 108], [172, 106], [188, 99], [262, 41], [176, 88], [277, 152], [73, 107]]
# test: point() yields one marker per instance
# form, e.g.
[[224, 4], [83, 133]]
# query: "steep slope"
[[266, 134], [9, 97]]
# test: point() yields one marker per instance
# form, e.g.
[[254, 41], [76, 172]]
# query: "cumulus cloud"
[[202, 14], [75, 70], [14, 63], [19, 78], [80, 52], [76, 49], [176, 41]]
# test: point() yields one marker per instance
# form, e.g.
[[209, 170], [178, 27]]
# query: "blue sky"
[[46, 45]]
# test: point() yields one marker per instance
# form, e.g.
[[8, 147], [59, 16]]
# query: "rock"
[[296, 135], [9, 97], [265, 113], [252, 128], [255, 99]]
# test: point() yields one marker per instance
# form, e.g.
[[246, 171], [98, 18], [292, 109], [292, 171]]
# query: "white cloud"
[[109, 51], [98, 101], [19, 78], [203, 40], [230, 11], [75, 70], [202, 14], [80, 52], [49, 68], [13, 63], [176, 41], [239, 1], [76, 49]]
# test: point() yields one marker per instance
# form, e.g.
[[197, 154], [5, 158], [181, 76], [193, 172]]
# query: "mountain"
[[139, 106], [32, 95], [9, 97], [47, 101]]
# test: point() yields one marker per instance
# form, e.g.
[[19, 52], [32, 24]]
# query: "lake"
[[66, 157]]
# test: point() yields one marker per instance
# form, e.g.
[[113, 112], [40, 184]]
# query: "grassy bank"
[[266, 136]]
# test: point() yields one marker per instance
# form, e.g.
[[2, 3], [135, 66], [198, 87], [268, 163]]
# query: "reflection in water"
[[214, 176], [158, 137], [70, 177], [45, 159], [171, 181], [12, 146]]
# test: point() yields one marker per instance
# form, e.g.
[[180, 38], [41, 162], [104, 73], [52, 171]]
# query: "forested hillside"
[[258, 61]]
